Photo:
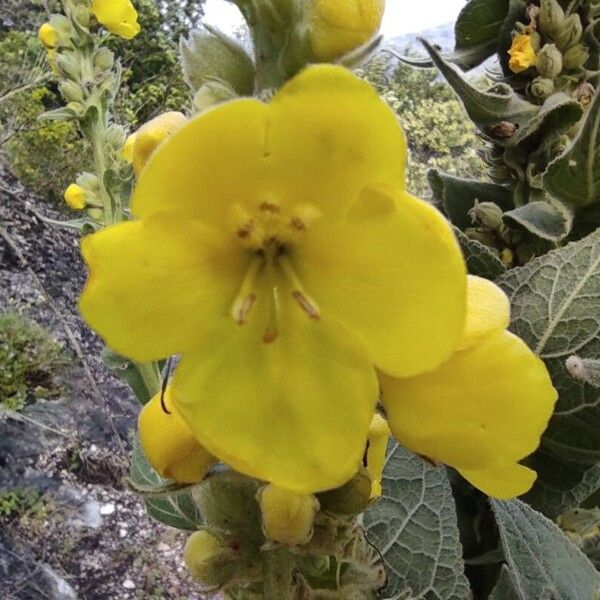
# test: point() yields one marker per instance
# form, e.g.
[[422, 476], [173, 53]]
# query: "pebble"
[[128, 584], [107, 509]]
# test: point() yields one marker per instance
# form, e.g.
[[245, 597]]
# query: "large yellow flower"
[[522, 53], [277, 249], [339, 26], [118, 16], [485, 408]]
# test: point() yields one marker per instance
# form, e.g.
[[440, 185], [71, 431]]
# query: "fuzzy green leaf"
[[476, 31], [560, 485], [555, 302], [505, 587], [542, 219], [176, 509], [574, 177], [481, 260], [543, 562], [414, 527], [485, 109]]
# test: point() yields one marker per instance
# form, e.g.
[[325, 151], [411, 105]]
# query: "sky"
[[401, 16]]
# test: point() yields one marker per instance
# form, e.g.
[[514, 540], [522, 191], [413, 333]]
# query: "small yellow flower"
[[522, 53], [288, 517], [48, 36], [277, 249], [149, 136], [118, 16], [379, 435], [75, 197], [483, 410], [169, 445], [339, 26]]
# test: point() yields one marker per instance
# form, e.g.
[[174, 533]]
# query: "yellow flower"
[[483, 410], [149, 136], [288, 517], [339, 26], [277, 250], [48, 36], [75, 197], [169, 445], [118, 16], [127, 149], [522, 53], [379, 435]]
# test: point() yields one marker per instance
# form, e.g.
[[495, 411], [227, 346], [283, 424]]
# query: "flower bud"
[[151, 134], [338, 26], [541, 88], [89, 182], [103, 59], [522, 54], [70, 91], [210, 560], [69, 65], [351, 499], [570, 33], [549, 61], [211, 93], [118, 16], [75, 197], [584, 93], [575, 57], [82, 15], [169, 444], [287, 517], [551, 17], [48, 36], [487, 214], [115, 137]]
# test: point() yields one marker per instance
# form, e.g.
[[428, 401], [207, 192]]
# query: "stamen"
[[272, 329], [306, 303], [246, 298]]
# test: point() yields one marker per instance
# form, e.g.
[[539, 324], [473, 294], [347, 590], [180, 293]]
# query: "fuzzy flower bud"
[[151, 134], [210, 560], [339, 26], [541, 88], [103, 59], [288, 517], [118, 16], [522, 53], [211, 93], [75, 197], [169, 445], [69, 65], [487, 214], [48, 36], [549, 62], [575, 57], [70, 91], [551, 17], [115, 137], [570, 33]]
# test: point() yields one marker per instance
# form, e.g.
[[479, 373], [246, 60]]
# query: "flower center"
[[269, 232]]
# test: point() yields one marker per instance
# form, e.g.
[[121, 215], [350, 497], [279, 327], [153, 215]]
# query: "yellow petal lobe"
[[379, 435], [502, 481], [118, 16]]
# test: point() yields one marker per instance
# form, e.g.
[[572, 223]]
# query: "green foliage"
[[16, 502], [439, 133], [30, 361]]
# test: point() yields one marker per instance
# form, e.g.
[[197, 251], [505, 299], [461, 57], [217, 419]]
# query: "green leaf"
[[542, 219], [176, 509], [485, 109], [555, 304], [505, 588], [476, 31], [542, 561], [560, 485], [481, 260], [458, 196], [574, 177], [414, 527]]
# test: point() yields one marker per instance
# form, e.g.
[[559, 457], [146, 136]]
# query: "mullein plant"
[[316, 310]]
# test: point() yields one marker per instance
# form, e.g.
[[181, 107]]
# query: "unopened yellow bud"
[[150, 135], [379, 435], [339, 26], [118, 16], [210, 560], [75, 197], [48, 36], [522, 53], [288, 517], [169, 444]]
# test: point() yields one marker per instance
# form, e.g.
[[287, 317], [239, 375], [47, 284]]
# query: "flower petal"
[[487, 406], [394, 276], [502, 481], [324, 137], [488, 311], [155, 284], [294, 412]]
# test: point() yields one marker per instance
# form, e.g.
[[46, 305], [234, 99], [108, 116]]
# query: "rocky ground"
[[81, 534]]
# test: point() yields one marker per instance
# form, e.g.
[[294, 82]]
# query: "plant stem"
[[277, 574]]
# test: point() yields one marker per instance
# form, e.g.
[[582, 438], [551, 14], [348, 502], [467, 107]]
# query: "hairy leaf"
[[505, 588], [544, 564], [542, 219], [481, 260], [414, 527]]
